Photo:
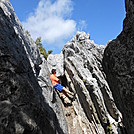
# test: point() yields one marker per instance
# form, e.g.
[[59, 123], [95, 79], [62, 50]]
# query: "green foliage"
[[109, 129], [28, 33], [38, 42], [49, 52], [70, 62], [84, 81], [42, 50]]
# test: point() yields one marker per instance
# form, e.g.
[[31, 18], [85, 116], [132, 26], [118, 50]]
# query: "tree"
[[42, 50], [38, 42]]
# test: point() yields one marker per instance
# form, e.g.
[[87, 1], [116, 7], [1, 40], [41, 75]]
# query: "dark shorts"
[[59, 87]]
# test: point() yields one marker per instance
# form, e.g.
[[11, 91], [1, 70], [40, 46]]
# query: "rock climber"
[[56, 85]]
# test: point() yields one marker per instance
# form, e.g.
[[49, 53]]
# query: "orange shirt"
[[54, 79]]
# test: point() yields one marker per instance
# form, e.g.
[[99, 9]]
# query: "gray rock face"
[[50, 95], [56, 61], [118, 64], [24, 105], [26, 91], [94, 104]]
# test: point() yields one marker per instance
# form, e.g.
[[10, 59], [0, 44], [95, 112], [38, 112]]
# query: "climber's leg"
[[67, 91]]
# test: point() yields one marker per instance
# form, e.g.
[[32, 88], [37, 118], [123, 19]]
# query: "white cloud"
[[51, 21], [82, 25]]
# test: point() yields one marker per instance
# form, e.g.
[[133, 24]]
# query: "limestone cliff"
[[118, 63], [93, 110]]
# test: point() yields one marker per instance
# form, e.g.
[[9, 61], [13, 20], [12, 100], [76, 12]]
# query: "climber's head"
[[53, 71]]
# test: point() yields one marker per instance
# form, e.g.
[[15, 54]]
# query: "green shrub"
[[42, 49]]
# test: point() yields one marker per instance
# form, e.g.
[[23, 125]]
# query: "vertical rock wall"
[[25, 95], [118, 63]]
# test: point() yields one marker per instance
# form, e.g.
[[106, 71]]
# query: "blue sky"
[[56, 21]]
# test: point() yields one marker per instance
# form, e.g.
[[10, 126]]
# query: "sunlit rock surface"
[[94, 105]]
